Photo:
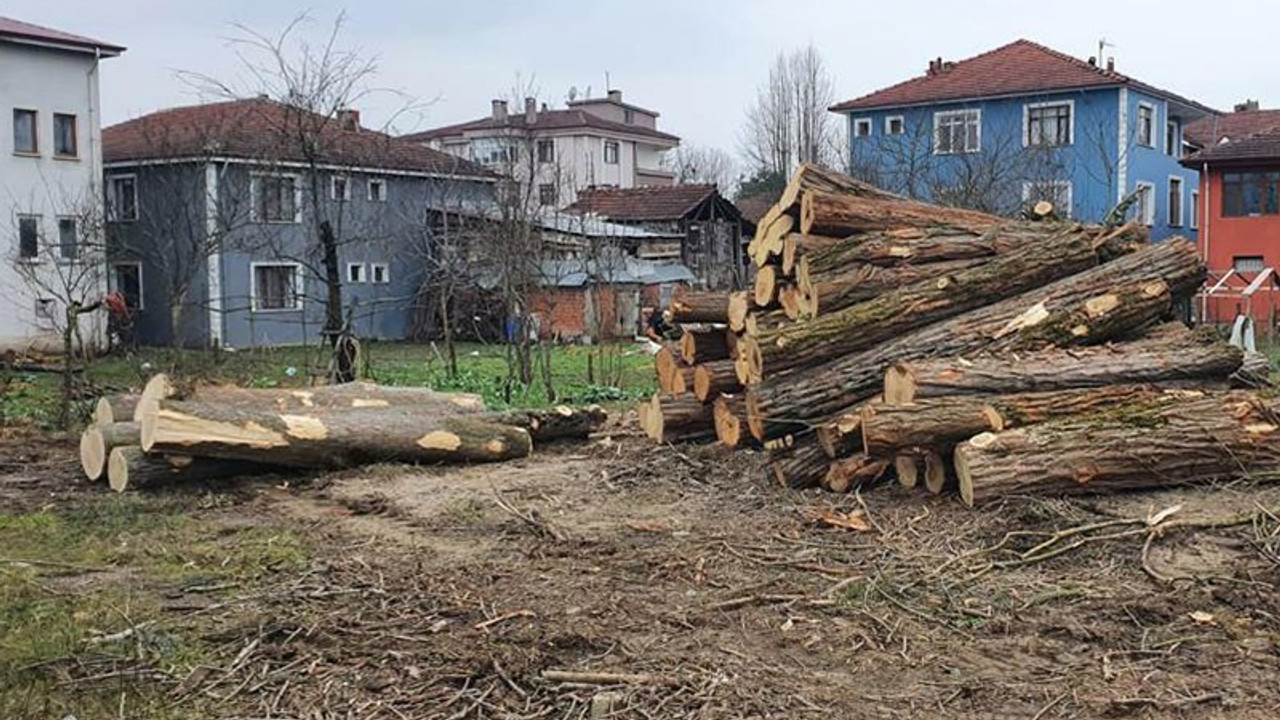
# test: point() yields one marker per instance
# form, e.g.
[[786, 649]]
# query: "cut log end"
[[961, 461], [899, 385], [93, 453], [739, 308], [765, 289], [907, 468], [728, 424], [935, 472]]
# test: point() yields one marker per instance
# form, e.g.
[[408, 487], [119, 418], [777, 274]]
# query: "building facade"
[[1024, 123], [216, 220], [50, 189], [554, 154]]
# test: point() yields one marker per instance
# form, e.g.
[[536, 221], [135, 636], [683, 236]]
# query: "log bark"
[[875, 321], [705, 345], [841, 437], [1177, 441], [679, 420], [802, 465], [852, 473], [129, 468], [114, 408], [713, 379], [1172, 356], [327, 437], [1107, 302], [97, 441], [700, 307], [729, 414], [559, 423], [832, 214], [861, 282]]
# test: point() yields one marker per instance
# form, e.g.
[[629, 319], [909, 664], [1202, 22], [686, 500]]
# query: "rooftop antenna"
[[1103, 44], [607, 85]]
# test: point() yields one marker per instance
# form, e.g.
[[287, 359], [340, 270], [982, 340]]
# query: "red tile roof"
[[1262, 147], [1019, 68], [260, 129], [18, 30], [650, 203], [754, 207], [547, 120], [1234, 126]]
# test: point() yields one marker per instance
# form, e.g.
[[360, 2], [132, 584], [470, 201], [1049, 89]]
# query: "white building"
[[592, 142], [50, 175]]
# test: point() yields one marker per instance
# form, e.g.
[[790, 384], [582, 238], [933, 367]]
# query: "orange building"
[[1238, 214]]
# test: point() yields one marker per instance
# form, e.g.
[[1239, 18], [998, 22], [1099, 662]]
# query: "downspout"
[[1206, 184]]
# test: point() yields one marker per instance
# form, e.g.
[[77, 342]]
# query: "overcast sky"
[[697, 62]]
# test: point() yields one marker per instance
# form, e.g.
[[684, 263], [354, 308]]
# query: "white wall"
[[48, 81]]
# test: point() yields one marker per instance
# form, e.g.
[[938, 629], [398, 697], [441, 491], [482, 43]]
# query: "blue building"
[[1024, 123]]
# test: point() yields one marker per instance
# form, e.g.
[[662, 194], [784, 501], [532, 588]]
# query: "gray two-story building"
[[220, 216]]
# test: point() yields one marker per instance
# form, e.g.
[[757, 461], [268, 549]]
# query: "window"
[[122, 198], [1250, 194], [276, 286], [68, 242], [276, 198], [24, 132], [1048, 124], [1248, 263], [1057, 192], [377, 191], [46, 313], [64, 135], [1195, 209], [546, 151], [546, 194], [340, 188], [1146, 125], [1146, 207], [28, 236], [957, 131], [379, 273], [1171, 141], [1175, 202], [610, 152], [492, 151], [355, 272], [894, 125], [862, 127], [628, 116], [126, 279]]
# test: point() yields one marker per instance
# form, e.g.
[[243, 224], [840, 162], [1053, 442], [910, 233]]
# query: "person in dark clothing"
[[658, 328]]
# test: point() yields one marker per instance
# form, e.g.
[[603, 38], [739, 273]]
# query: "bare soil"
[[692, 587]]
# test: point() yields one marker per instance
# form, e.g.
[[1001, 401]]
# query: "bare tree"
[[703, 164], [788, 123]]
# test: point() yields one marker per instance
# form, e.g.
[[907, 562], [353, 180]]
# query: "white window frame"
[[617, 152], [379, 196], [1063, 212], [75, 223], [360, 275], [113, 199], [297, 286], [346, 188], [1182, 201], [1071, 122], [373, 273], [888, 125], [1155, 120], [1148, 212], [538, 145], [1235, 263], [40, 237], [862, 127], [1194, 220], [1172, 144], [114, 286], [938, 118], [255, 193]]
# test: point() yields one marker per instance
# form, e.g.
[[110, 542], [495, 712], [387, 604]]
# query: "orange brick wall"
[[564, 312]]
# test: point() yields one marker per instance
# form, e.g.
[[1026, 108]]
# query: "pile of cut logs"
[[889, 337], [172, 433]]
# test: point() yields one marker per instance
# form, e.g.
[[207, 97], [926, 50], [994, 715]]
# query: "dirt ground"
[[683, 584]]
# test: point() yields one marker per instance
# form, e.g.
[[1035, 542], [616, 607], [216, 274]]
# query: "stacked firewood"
[[171, 432], [888, 337]]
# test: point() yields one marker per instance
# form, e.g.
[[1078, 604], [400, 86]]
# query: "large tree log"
[[713, 379], [700, 307], [1173, 355], [739, 309], [704, 345], [97, 441], [919, 246], [841, 437], [559, 423], [129, 468], [861, 282], [831, 214], [678, 420], [799, 464], [851, 473], [729, 414], [114, 408], [870, 323], [327, 437], [1098, 305], [1179, 440], [942, 422]]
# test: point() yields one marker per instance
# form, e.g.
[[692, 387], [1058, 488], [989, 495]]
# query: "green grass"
[[71, 576], [580, 375]]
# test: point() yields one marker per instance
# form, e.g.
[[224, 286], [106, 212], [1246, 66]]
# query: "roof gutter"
[[294, 165]]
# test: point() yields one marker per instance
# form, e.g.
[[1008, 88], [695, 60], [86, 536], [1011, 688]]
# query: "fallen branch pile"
[[168, 433], [884, 336]]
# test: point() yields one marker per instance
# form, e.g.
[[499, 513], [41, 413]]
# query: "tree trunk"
[[678, 420], [114, 408], [919, 246], [1092, 307], [861, 282], [1175, 441], [840, 215], [332, 280], [853, 473], [713, 379], [875, 321], [841, 437], [559, 423], [129, 468], [700, 307], [1173, 355], [705, 345], [327, 437], [729, 414], [97, 441], [802, 465]]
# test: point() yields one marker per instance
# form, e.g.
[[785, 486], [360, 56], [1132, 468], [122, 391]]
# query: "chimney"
[[500, 110], [1111, 64], [349, 120], [615, 96], [530, 111], [1246, 106]]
